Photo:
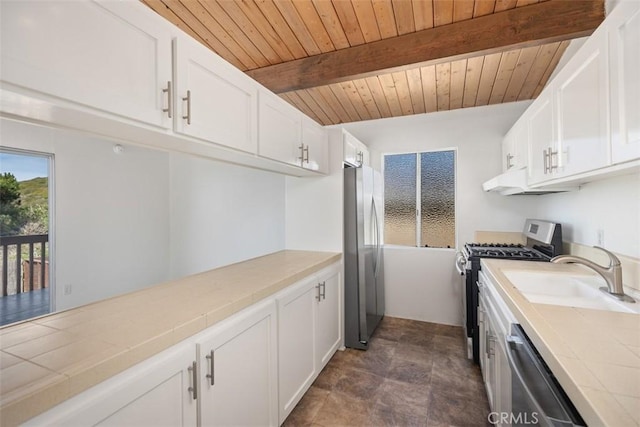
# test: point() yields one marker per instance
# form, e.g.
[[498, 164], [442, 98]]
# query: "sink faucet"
[[611, 274]]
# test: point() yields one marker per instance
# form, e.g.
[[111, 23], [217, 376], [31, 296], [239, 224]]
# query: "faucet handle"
[[614, 261]]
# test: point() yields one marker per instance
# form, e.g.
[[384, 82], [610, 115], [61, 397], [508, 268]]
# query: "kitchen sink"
[[566, 290]]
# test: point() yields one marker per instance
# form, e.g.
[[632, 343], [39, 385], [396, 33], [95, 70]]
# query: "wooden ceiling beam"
[[540, 23]]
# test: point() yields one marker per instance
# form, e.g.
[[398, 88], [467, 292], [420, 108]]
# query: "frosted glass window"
[[400, 199], [437, 199], [422, 183]]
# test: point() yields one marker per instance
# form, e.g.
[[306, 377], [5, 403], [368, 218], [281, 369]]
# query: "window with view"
[[419, 199]]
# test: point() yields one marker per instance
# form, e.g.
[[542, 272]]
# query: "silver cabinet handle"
[[360, 156], [545, 160], [322, 292], [210, 375], [509, 158], [193, 388], [188, 99], [552, 154], [318, 293], [169, 93], [301, 158], [306, 150]]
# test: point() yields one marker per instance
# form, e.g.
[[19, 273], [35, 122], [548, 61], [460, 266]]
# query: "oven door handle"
[[460, 263]]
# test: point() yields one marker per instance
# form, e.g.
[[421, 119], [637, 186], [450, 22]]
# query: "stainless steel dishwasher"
[[536, 397]]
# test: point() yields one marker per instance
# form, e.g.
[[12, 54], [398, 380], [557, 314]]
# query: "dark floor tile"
[[377, 359], [404, 398], [340, 409], [358, 384], [449, 408], [307, 409], [467, 382], [391, 329], [414, 353], [449, 331], [384, 416], [414, 372], [331, 374], [449, 345]]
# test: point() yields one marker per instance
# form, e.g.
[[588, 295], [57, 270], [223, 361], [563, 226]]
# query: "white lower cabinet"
[[238, 371], [248, 370], [329, 325], [155, 392], [309, 333], [494, 363]]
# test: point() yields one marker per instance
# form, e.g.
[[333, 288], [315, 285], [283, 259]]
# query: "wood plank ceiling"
[[258, 36]]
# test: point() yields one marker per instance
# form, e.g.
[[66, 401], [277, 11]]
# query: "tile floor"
[[414, 374]]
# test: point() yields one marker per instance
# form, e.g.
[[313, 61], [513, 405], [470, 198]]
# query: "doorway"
[[25, 235]]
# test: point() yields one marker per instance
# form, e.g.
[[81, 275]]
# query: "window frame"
[[418, 209]]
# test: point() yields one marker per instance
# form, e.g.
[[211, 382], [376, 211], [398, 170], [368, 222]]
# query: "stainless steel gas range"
[[543, 242]]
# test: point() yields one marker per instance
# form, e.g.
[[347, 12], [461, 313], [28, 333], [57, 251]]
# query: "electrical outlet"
[[67, 289], [601, 237]]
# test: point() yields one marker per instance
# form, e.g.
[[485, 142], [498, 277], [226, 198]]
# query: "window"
[[419, 199]]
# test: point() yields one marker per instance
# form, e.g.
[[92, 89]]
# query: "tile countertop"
[[594, 354], [49, 359]]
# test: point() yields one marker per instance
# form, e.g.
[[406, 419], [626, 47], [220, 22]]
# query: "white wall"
[[611, 205], [421, 283], [124, 222], [111, 212], [314, 212], [222, 213]]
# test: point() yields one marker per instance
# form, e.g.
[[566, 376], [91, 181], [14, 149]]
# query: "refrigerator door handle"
[[377, 226]]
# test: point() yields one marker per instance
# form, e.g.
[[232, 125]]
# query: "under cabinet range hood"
[[514, 182]]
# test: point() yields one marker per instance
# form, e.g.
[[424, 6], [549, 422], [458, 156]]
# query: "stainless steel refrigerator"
[[363, 257]]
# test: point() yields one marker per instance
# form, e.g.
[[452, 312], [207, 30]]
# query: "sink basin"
[[566, 290]]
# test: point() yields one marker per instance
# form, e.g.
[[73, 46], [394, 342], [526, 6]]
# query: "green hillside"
[[34, 192]]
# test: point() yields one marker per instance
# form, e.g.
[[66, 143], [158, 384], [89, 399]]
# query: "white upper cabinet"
[[582, 100], [289, 136], [624, 51], [280, 128], [315, 141], [515, 146], [111, 56], [355, 153], [543, 149], [215, 102]]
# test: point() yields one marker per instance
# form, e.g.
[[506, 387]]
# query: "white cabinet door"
[[111, 56], [355, 153], [316, 142], [296, 343], [582, 98], [350, 150], [329, 335], [155, 392], [215, 101], [238, 370], [280, 130], [515, 146], [542, 141], [624, 51]]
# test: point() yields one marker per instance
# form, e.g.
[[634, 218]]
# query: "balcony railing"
[[24, 271]]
